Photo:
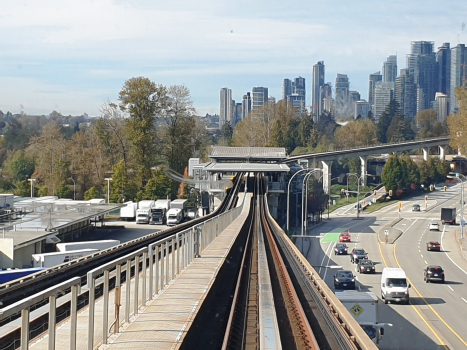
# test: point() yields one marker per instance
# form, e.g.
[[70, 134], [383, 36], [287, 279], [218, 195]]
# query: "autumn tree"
[[458, 122], [360, 132], [144, 101]]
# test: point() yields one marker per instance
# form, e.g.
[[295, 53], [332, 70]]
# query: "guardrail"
[[51, 293], [160, 263]]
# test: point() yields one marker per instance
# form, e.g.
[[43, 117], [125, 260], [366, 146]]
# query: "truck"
[[363, 306], [448, 215], [13, 274], [128, 212], [158, 214], [181, 204], [174, 216], [58, 258], [100, 245], [143, 211]]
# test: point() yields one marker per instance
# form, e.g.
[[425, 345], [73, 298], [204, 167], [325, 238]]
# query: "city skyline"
[[74, 56]]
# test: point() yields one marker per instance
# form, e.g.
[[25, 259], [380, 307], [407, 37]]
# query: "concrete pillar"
[[327, 176], [364, 169], [426, 153], [442, 152]]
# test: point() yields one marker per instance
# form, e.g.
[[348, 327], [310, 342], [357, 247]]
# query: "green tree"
[[22, 189], [122, 187], [159, 187], [144, 101], [458, 122], [227, 132], [63, 191], [18, 165], [392, 174], [305, 128], [92, 193], [426, 120], [382, 127]]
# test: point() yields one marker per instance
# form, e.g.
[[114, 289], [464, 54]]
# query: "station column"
[[327, 176], [364, 169], [442, 152], [426, 153]]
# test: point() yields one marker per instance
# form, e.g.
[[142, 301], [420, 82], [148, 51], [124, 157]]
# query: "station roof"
[[246, 167], [271, 154]]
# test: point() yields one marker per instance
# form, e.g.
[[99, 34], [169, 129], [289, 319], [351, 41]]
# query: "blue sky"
[[73, 56]]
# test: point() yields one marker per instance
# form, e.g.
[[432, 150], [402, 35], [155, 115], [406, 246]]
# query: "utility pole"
[[108, 179]]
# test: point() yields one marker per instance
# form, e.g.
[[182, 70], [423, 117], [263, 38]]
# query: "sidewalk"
[[461, 242]]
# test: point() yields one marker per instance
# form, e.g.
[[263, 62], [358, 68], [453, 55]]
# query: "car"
[[344, 237], [416, 207], [357, 254], [365, 266], [432, 245], [344, 279], [434, 226], [433, 273], [341, 248]]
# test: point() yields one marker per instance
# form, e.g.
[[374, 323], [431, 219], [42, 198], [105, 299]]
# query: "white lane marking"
[[426, 262], [450, 288], [324, 257], [421, 255], [442, 235], [326, 270], [464, 300], [419, 250]]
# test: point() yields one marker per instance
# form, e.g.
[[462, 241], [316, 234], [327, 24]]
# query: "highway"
[[435, 318]]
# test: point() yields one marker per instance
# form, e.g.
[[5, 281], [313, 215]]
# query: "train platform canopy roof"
[[246, 167], [248, 154]]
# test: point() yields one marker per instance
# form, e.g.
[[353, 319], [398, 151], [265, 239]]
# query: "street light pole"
[[358, 189], [32, 186], [304, 195], [288, 194], [108, 179], [461, 180]]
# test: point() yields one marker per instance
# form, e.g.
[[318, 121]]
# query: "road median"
[[392, 233]]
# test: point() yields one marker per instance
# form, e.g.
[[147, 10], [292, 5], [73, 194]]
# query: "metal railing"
[[167, 258], [50, 293]]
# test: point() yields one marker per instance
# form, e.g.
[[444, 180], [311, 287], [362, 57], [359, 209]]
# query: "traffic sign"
[[386, 232]]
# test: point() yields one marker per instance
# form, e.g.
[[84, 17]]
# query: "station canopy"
[[246, 167], [248, 154]]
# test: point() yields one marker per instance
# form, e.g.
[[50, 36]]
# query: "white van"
[[394, 285]]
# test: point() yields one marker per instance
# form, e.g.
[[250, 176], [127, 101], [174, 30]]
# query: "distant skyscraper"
[[271, 99], [318, 82], [341, 92], [325, 93], [225, 113], [458, 72], [246, 105], [361, 109], [297, 102], [354, 96], [259, 96], [442, 106], [329, 105], [299, 88], [405, 93], [443, 60], [384, 93], [390, 69], [286, 88], [421, 63], [374, 78], [238, 113]]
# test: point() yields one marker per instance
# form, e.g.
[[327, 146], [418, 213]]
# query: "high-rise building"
[[390, 69], [442, 106], [443, 60], [374, 78], [271, 99], [298, 87], [329, 105], [405, 93], [286, 88], [246, 105], [225, 113], [458, 72], [297, 102], [259, 96], [354, 96], [421, 63], [362, 108], [384, 93], [325, 92], [318, 82], [342, 88]]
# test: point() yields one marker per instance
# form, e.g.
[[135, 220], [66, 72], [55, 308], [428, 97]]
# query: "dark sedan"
[[433, 246], [344, 279], [433, 273], [357, 254], [341, 249], [366, 266]]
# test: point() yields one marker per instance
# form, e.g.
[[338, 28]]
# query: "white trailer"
[[174, 216], [363, 306], [100, 245], [158, 215], [143, 211], [58, 258], [128, 212], [181, 204]]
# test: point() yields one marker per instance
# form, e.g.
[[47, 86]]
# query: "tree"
[[143, 100], [21, 188], [227, 132], [392, 174], [19, 166], [360, 132], [458, 122], [158, 187], [400, 129], [63, 191], [305, 129], [382, 127], [123, 187]]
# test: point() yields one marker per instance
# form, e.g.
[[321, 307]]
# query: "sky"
[[74, 55]]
